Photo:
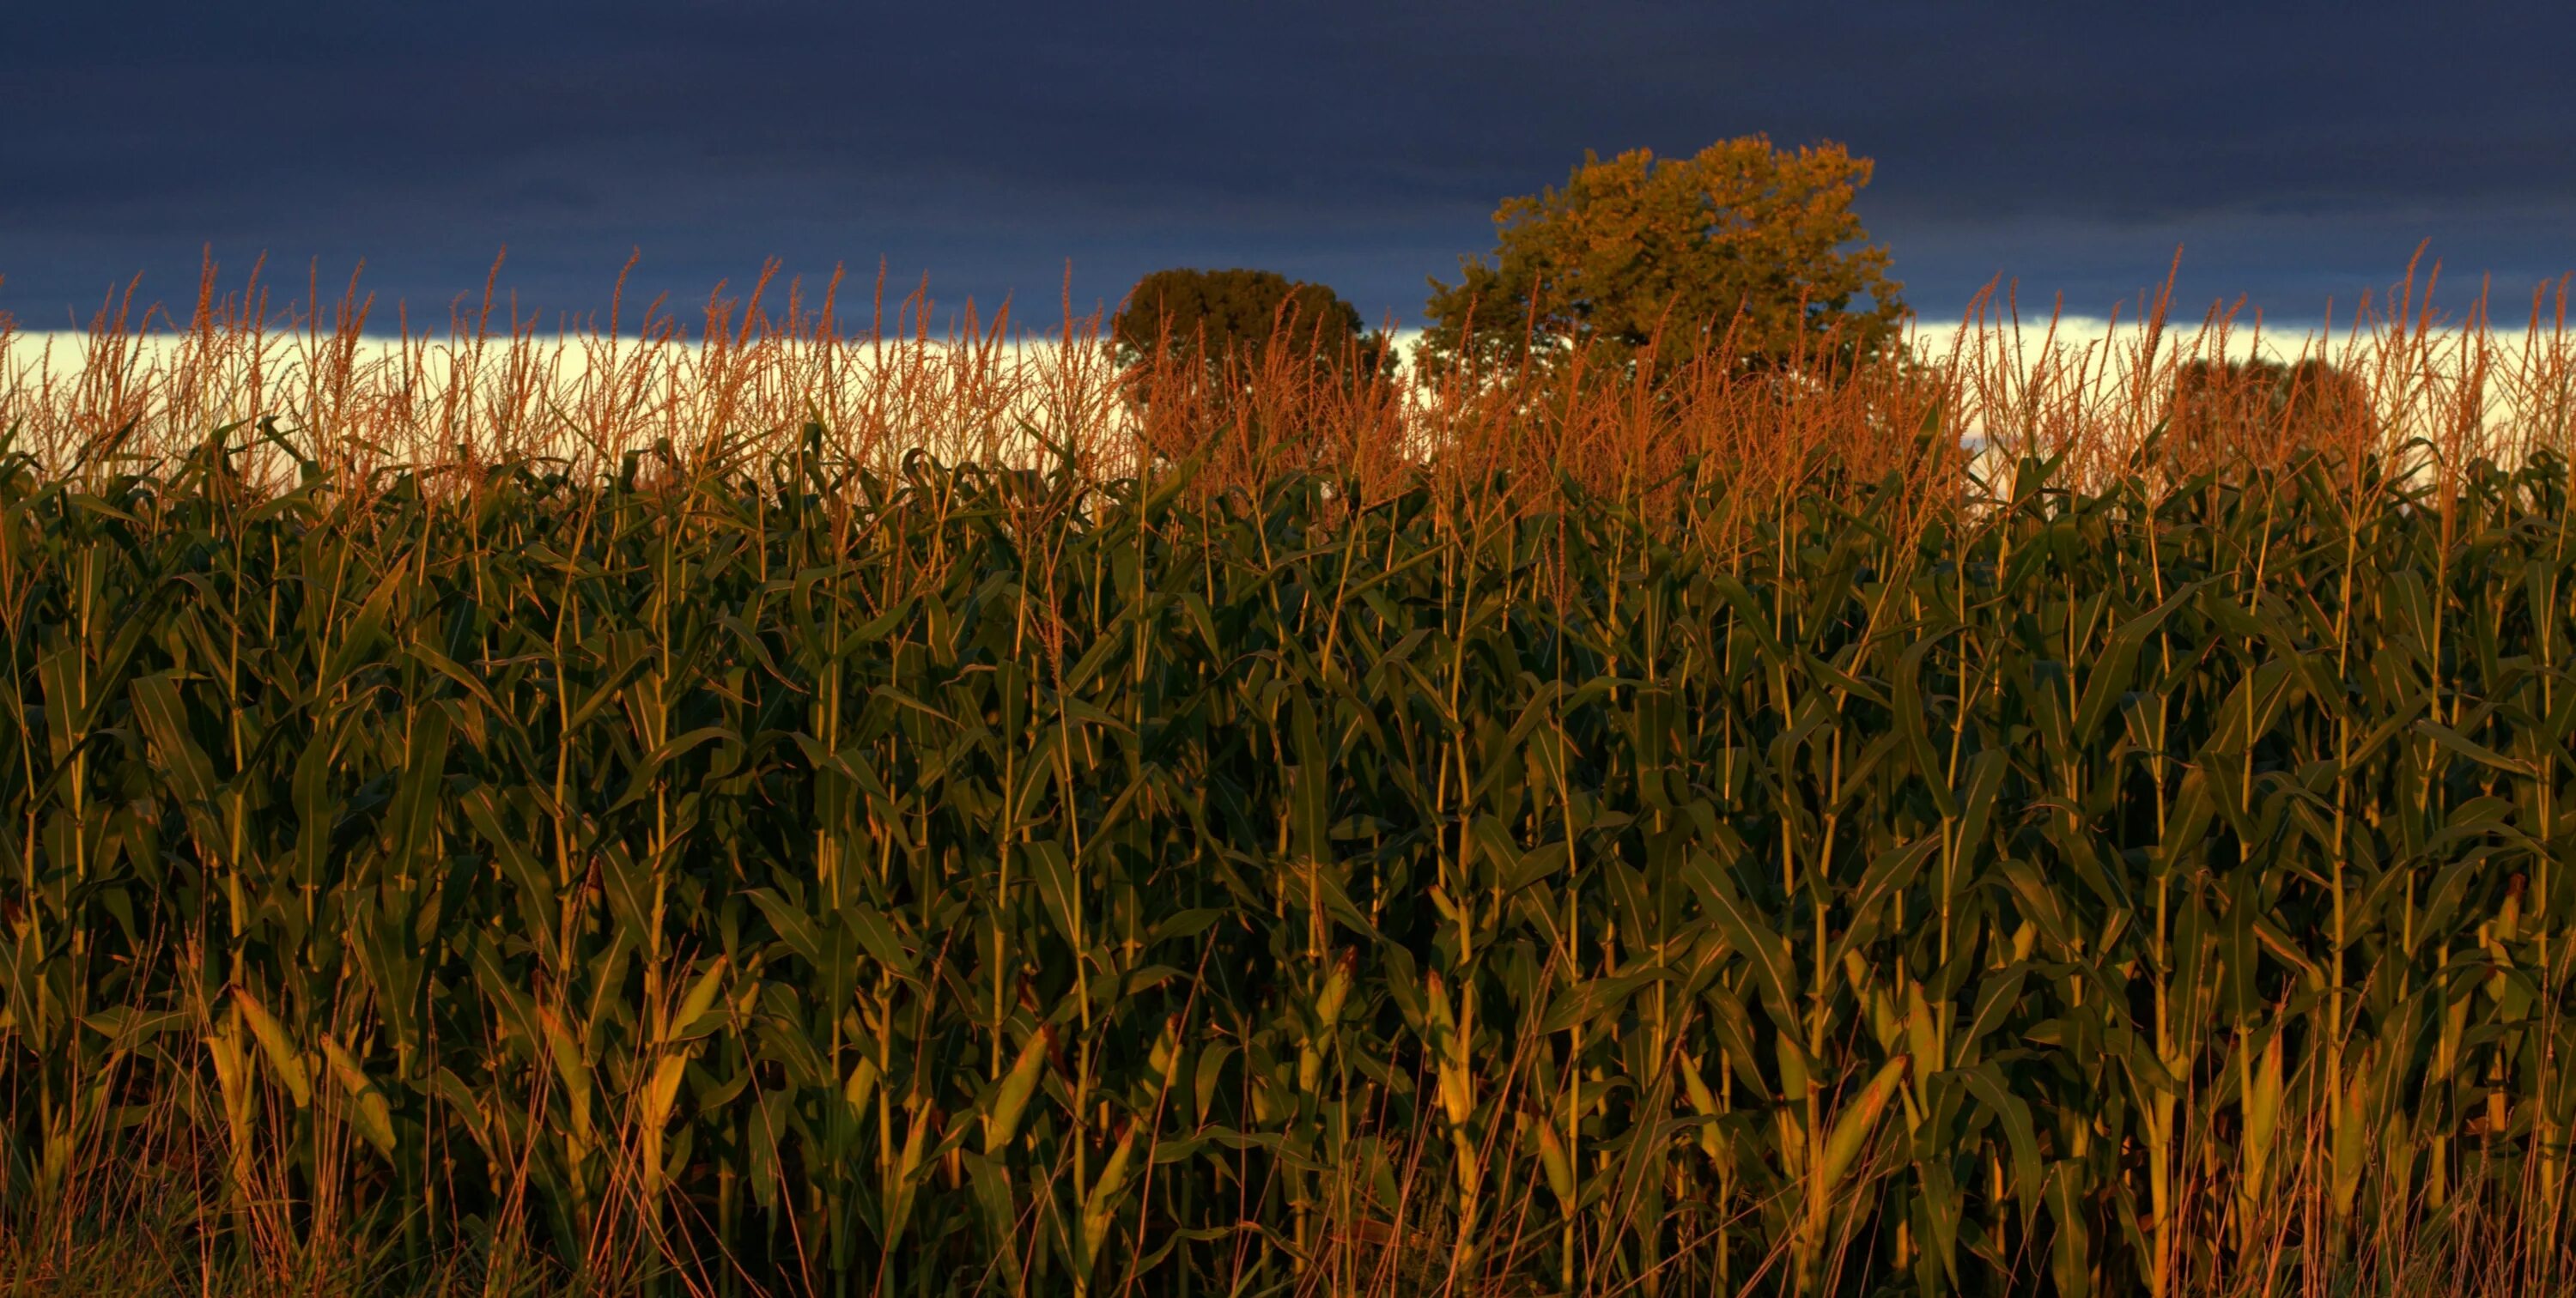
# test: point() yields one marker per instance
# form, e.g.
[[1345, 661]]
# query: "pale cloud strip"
[[2089, 362]]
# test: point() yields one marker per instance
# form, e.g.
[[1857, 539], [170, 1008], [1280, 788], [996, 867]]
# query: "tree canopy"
[[2222, 410], [1741, 236], [1233, 316]]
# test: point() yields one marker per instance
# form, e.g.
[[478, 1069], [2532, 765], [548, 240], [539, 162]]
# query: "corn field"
[[768, 868]]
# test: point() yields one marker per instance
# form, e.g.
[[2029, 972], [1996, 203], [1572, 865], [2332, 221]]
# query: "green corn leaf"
[[1017, 1086], [1852, 1127], [370, 1113], [283, 1058]]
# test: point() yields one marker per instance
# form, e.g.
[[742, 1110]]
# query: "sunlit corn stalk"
[[898, 875]]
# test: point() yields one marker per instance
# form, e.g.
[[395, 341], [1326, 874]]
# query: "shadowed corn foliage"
[[797, 874]]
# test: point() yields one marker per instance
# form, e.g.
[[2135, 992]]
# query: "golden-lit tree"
[[1743, 245]]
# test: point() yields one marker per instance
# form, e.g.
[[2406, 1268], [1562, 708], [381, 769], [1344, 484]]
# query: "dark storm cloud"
[[2299, 153]]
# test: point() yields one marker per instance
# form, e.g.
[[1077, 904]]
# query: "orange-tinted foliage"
[[1683, 428]]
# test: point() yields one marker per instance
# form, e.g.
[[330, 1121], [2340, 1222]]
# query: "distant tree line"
[[1745, 251], [1744, 246]]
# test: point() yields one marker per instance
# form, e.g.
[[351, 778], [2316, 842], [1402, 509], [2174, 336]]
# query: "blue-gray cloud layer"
[[2299, 153]]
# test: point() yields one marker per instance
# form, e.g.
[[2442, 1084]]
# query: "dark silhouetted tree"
[[2227, 415], [1741, 237], [1229, 319]]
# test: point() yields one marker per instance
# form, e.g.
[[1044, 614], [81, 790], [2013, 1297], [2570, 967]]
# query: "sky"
[[2296, 153]]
